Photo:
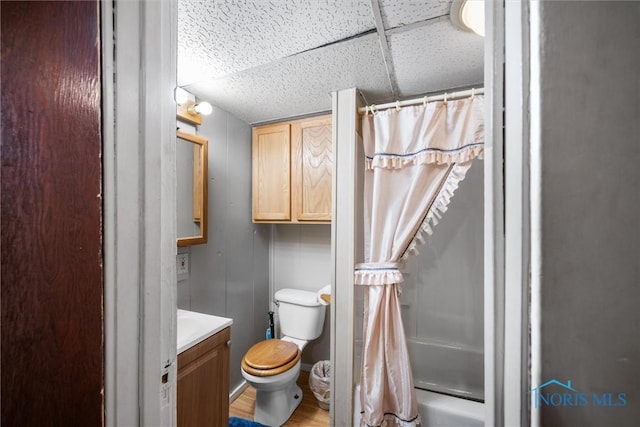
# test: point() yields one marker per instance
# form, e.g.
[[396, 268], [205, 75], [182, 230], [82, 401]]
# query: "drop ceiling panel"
[[436, 57], [396, 13], [300, 84], [220, 37]]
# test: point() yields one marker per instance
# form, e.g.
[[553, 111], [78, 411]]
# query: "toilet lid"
[[270, 354]]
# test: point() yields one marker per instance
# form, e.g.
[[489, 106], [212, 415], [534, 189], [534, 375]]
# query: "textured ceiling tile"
[[219, 37], [300, 84], [396, 13], [436, 57], [244, 55]]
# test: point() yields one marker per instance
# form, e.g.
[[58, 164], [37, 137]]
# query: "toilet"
[[272, 366]]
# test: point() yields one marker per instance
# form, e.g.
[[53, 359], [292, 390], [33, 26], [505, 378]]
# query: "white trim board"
[[493, 215], [535, 199], [346, 250], [139, 211], [236, 392], [517, 215]]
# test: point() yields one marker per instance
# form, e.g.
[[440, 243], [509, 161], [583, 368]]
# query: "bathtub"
[[447, 368], [439, 410]]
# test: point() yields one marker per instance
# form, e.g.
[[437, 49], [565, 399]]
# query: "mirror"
[[191, 192]]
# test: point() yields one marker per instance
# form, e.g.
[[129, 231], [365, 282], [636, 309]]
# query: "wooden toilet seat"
[[270, 357]]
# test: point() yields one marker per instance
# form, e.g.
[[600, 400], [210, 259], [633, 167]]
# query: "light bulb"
[[181, 96], [203, 108]]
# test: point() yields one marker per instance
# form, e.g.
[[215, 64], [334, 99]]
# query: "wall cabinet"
[[292, 164], [203, 382]]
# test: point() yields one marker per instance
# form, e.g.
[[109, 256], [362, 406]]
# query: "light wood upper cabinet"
[[311, 169], [272, 173], [292, 164]]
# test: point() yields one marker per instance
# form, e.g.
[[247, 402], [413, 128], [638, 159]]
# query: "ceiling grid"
[[264, 60], [384, 47]]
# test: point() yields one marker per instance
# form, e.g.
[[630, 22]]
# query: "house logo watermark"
[[557, 393]]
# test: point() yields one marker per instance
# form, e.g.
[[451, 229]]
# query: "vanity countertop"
[[195, 327]]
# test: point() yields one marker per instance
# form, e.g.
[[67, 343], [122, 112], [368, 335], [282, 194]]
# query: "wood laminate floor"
[[308, 414]]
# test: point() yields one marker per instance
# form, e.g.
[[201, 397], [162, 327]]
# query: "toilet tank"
[[301, 315]]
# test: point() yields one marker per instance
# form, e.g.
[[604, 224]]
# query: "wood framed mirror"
[[192, 157]]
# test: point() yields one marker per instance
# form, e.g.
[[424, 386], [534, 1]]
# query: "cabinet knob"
[[229, 343]]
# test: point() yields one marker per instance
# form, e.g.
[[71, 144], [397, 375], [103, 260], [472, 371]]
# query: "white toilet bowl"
[[272, 366], [277, 396]]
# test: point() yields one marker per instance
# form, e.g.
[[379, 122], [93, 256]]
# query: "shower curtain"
[[415, 159]]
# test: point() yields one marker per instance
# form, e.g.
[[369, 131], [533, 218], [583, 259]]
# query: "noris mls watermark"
[[556, 393]]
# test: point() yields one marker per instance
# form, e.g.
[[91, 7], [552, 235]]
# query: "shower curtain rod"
[[424, 99]]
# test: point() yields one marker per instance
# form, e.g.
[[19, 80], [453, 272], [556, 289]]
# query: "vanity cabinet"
[[203, 382], [292, 164]]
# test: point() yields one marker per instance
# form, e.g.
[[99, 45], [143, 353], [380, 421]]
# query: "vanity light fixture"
[[181, 96], [191, 111], [468, 15], [203, 108]]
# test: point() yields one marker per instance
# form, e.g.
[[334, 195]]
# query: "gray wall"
[[301, 259], [590, 133], [229, 276]]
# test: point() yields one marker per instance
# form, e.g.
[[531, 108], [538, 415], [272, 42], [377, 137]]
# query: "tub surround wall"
[[442, 293], [442, 296], [301, 259], [229, 276], [590, 227]]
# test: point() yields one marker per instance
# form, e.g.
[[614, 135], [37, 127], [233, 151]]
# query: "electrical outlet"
[[182, 264]]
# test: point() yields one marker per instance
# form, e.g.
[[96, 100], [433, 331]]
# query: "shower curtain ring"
[[397, 105], [445, 98], [473, 92], [425, 100]]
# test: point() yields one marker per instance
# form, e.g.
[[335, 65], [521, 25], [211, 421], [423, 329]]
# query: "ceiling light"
[[468, 15]]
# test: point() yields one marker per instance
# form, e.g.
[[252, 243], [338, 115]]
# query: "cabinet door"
[[271, 173], [203, 383], [312, 166]]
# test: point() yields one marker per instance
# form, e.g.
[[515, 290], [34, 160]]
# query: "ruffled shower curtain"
[[415, 158]]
